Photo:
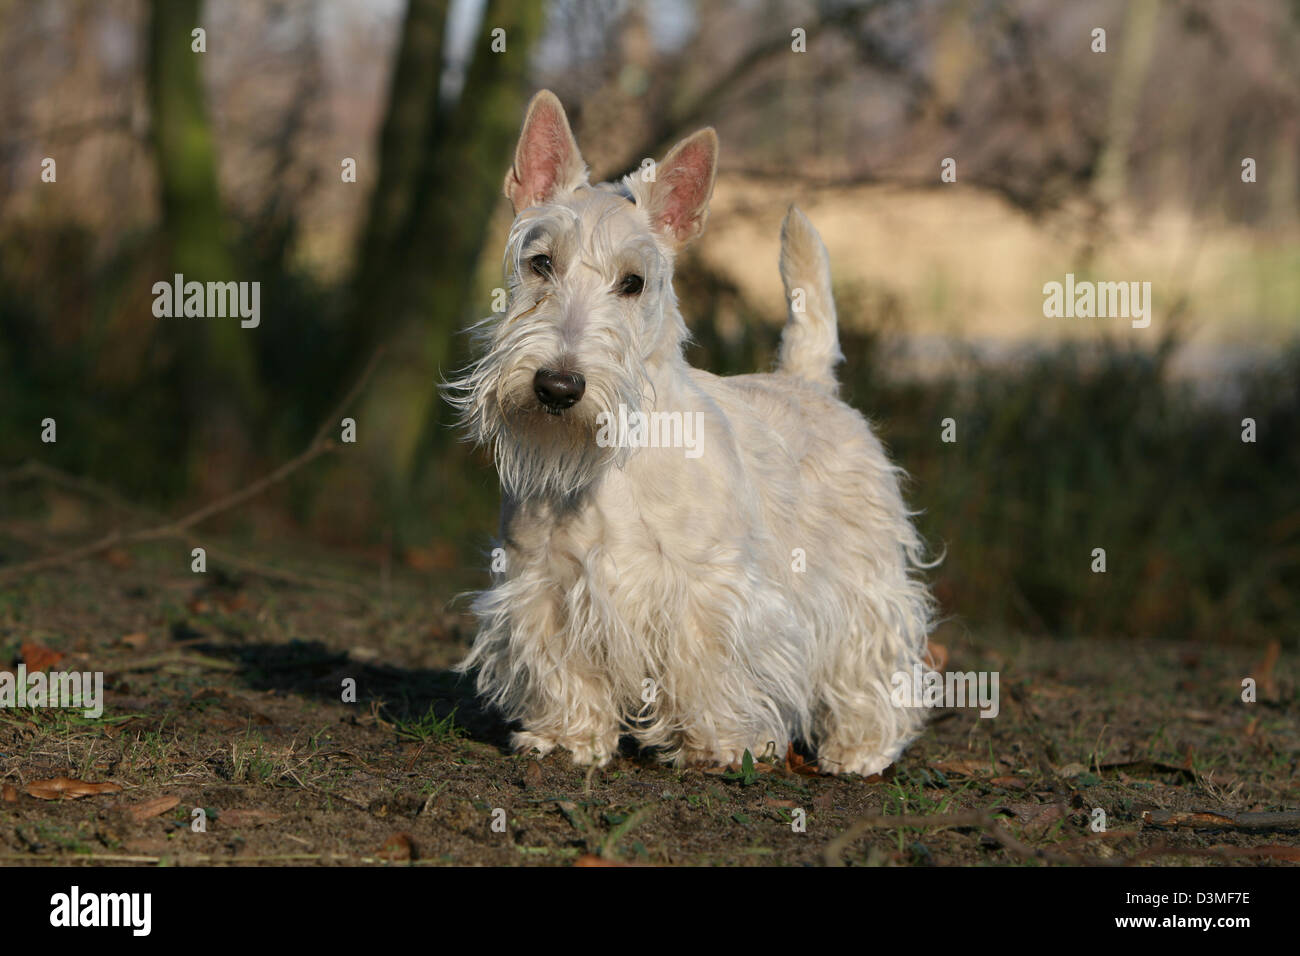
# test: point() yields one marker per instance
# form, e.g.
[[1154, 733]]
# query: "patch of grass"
[[252, 762], [430, 728]]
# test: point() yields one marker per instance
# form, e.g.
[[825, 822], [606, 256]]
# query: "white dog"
[[746, 588]]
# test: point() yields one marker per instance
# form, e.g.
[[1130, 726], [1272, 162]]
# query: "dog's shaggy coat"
[[759, 593]]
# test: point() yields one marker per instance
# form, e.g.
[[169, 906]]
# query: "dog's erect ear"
[[547, 158], [679, 197]]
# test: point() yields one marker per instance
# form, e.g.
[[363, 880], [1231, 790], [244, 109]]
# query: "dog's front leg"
[[570, 711], [727, 671], [533, 664]]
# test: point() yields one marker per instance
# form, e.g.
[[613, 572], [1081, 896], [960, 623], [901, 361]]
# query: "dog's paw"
[[709, 757], [863, 762], [589, 753], [728, 755], [528, 743], [584, 752]]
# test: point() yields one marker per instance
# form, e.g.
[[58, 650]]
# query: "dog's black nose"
[[558, 390]]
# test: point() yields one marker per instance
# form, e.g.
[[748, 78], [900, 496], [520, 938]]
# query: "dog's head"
[[590, 309]]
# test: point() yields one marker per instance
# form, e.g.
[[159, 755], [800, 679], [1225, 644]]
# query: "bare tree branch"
[[319, 445]]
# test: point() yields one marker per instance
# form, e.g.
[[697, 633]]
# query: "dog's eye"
[[631, 285], [541, 265]]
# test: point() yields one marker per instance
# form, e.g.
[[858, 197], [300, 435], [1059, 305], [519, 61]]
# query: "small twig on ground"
[[183, 658], [1210, 820]]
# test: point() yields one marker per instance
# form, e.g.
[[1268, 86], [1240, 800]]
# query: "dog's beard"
[[539, 453]]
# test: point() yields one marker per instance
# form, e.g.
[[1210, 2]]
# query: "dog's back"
[[832, 504]]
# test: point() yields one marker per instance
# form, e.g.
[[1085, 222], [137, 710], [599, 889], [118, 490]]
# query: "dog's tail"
[[810, 344]]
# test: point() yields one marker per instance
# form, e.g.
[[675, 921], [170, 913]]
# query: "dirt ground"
[[225, 693]]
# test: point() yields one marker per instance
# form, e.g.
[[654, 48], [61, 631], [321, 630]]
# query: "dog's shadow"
[[414, 700]]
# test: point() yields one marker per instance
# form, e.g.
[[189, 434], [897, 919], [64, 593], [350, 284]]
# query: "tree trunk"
[[407, 131], [213, 355], [428, 270]]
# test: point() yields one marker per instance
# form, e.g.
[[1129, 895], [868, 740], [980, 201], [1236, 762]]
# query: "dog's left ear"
[[679, 197]]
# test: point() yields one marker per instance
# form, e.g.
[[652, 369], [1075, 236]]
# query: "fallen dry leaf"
[[9, 793], [152, 808], [135, 640], [117, 558], [113, 731], [245, 818], [38, 657], [796, 764], [773, 802], [233, 603], [1263, 674], [533, 774], [1037, 820], [64, 788], [399, 846]]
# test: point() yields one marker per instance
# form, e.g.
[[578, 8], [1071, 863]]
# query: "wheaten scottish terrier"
[[707, 564]]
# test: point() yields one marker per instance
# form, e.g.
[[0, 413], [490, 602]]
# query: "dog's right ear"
[[547, 158]]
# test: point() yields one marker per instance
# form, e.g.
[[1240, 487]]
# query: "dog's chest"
[[625, 550]]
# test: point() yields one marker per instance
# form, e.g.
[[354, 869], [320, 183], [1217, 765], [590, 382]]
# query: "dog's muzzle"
[[558, 390]]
